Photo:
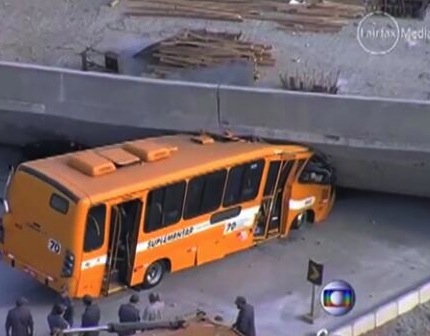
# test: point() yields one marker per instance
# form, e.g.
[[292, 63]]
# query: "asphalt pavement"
[[376, 242]]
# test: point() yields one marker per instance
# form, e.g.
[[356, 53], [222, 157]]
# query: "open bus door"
[[124, 227], [276, 196]]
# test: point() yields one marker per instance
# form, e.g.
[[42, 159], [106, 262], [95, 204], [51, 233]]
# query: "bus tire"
[[154, 274], [299, 221]]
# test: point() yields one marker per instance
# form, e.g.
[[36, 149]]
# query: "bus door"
[[125, 219], [276, 195]]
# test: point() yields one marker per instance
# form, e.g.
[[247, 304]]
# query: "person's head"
[[58, 309], [152, 297], [240, 302], [21, 301], [87, 300], [134, 299]]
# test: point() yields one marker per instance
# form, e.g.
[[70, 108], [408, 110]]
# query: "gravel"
[[414, 323], [55, 32]]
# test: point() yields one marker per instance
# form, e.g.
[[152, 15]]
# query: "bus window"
[[272, 176], [243, 183], [59, 204], [316, 171], [164, 206], [95, 228], [204, 194]]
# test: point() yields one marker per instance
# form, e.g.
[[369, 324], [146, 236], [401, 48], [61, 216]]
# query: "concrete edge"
[[386, 312], [263, 90]]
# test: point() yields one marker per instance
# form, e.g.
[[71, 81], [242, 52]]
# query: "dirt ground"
[[55, 32], [414, 323]]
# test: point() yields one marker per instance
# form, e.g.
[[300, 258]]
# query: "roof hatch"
[[149, 150], [91, 164], [118, 156]]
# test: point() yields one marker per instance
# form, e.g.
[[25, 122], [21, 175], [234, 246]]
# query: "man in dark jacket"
[[67, 303], [91, 315], [128, 312], [19, 321], [245, 323], [56, 320]]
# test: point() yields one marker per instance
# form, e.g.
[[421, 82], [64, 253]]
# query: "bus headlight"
[[68, 265]]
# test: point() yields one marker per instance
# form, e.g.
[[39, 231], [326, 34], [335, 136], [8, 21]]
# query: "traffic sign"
[[315, 272]]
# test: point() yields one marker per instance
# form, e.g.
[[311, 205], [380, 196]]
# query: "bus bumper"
[[45, 279]]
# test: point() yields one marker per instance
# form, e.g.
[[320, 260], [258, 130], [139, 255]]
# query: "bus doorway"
[[123, 232], [275, 195]]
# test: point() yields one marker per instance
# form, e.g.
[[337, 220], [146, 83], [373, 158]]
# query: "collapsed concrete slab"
[[375, 144]]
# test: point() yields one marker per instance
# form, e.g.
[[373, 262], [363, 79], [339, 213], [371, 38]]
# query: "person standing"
[[67, 303], [56, 320], [19, 321], [128, 312], [245, 322], [91, 315], [153, 312]]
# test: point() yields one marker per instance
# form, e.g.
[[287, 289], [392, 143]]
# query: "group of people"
[[19, 320]]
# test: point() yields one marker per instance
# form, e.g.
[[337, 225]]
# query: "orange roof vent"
[[119, 156], [149, 150], [203, 139], [91, 164]]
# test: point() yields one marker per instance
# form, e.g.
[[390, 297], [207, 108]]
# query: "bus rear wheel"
[[154, 274]]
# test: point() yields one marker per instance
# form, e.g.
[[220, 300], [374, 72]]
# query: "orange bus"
[[99, 220]]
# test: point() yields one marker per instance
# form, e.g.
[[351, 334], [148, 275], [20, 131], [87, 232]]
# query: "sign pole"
[[312, 313], [315, 276]]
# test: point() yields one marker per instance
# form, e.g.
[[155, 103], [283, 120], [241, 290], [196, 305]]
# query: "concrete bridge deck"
[[375, 144]]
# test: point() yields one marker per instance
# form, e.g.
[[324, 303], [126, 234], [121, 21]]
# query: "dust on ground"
[[414, 323], [55, 32]]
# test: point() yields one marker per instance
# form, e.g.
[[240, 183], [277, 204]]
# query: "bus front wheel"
[[154, 274], [299, 221]]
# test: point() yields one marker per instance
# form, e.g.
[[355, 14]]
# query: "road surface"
[[378, 243]]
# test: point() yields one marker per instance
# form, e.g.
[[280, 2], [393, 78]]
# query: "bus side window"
[[204, 194], [243, 183], [164, 206], [95, 228], [59, 203]]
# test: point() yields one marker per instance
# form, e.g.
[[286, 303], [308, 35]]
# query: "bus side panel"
[[239, 231], [171, 244], [93, 265], [208, 239]]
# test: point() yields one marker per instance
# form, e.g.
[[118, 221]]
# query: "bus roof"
[[103, 172]]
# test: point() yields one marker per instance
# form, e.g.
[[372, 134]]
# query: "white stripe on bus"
[[246, 218], [302, 203], [98, 261]]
